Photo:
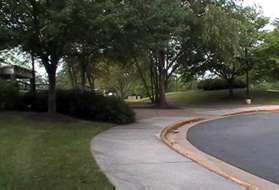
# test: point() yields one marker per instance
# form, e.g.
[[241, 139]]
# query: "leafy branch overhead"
[[153, 41]]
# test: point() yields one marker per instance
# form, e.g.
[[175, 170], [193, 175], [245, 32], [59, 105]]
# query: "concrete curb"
[[197, 158]]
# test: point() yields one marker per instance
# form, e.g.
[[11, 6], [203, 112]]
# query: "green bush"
[[219, 84], [9, 92], [31, 102], [267, 85], [84, 105]]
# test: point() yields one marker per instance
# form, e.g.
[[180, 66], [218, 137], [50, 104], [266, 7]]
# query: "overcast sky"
[[270, 7]]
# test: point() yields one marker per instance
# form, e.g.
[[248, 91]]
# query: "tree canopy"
[[155, 40]]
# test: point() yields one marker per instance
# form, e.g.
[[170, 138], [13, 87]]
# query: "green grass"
[[42, 153], [220, 97]]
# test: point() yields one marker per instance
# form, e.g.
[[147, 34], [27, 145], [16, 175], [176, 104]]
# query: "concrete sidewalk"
[[134, 158]]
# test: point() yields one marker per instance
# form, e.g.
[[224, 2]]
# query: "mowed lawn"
[[218, 97], [39, 152]]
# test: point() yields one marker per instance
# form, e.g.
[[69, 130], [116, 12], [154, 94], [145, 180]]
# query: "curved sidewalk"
[[134, 158]]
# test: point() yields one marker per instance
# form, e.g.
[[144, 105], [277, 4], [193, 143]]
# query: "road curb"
[[192, 156]]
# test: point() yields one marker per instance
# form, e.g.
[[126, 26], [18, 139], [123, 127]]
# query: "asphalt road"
[[249, 142]]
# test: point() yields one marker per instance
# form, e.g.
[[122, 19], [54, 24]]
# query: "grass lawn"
[[38, 152], [220, 97], [199, 97]]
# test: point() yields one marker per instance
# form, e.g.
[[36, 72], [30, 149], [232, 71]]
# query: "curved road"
[[134, 158], [249, 142]]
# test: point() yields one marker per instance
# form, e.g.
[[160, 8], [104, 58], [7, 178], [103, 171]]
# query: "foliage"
[[159, 42], [137, 89], [153, 33], [9, 92], [40, 28], [222, 38], [6, 37], [117, 77], [93, 29], [84, 105], [51, 29], [268, 67], [231, 33], [268, 85], [219, 84], [252, 30]]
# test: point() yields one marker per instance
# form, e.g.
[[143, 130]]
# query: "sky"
[[270, 7]]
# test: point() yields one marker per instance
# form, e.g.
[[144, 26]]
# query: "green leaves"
[[231, 34], [268, 53]]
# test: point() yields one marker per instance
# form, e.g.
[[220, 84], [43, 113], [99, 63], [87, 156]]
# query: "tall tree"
[[153, 36], [40, 27], [117, 77], [251, 36], [268, 68], [88, 20], [222, 34], [231, 33]]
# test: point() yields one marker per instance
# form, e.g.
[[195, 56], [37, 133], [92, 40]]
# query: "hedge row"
[[219, 84], [9, 91], [83, 105]]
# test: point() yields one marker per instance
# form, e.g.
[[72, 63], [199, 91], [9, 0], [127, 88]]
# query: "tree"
[[88, 46], [231, 33], [223, 42], [40, 27], [194, 47], [117, 77], [6, 37], [53, 30], [251, 35], [222, 39], [268, 67], [153, 35]]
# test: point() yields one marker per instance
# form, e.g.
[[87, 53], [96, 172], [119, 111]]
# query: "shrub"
[[219, 84], [9, 92], [31, 102], [83, 105]]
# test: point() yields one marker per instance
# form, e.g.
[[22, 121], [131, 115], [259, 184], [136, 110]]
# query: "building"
[[17, 73]]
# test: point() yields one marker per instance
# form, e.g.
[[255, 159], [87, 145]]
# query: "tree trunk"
[[155, 84], [50, 65], [72, 76], [231, 90], [247, 84], [156, 89], [247, 74], [162, 101], [83, 78], [91, 80], [162, 91], [152, 84], [33, 79], [141, 74], [52, 91]]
